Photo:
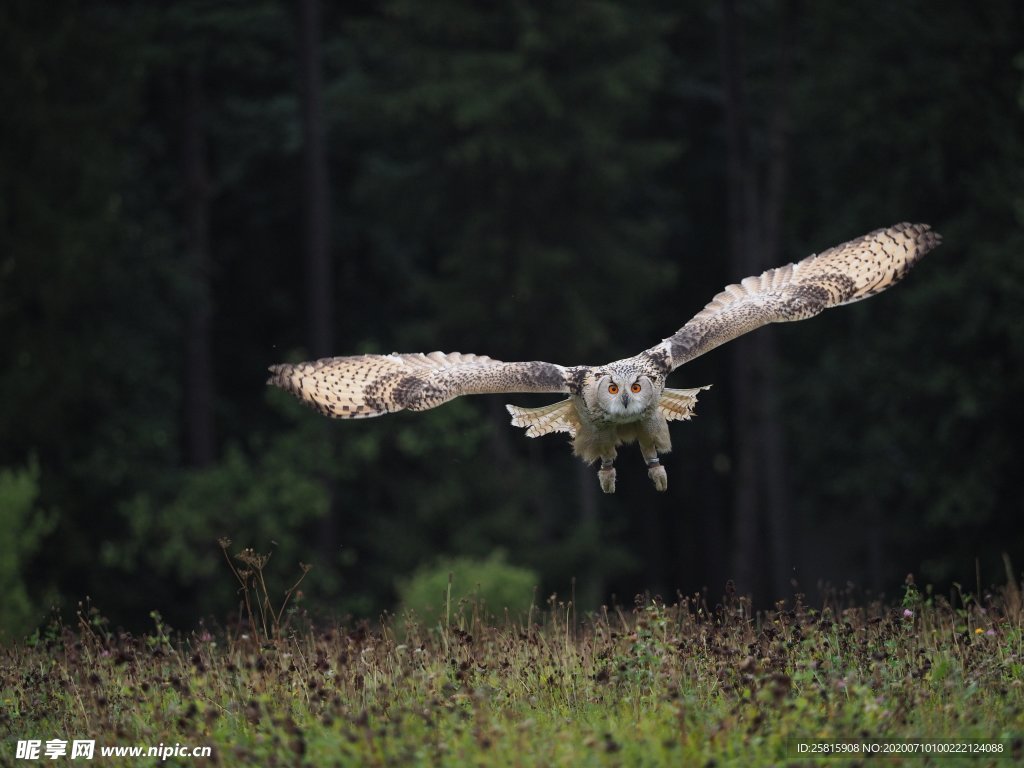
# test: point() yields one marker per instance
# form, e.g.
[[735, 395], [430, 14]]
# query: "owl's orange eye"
[[635, 388], [613, 389]]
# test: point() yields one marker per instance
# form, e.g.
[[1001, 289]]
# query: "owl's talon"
[[606, 476], [658, 476]]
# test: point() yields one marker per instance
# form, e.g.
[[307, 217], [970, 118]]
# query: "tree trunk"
[[319, 272], [761, 497], [199, 389], [777, 485], [319, 268]]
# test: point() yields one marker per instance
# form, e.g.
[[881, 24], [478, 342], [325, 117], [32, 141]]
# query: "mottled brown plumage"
[[625, 400]]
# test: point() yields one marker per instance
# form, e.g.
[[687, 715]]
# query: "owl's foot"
[[606, 476], [657, 474]]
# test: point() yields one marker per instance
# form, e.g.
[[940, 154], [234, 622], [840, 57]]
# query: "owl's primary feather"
[[626, 400]]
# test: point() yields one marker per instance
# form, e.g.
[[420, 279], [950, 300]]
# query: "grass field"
[[654, 684]]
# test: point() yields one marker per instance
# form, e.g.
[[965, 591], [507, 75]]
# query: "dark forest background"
[[190, 192]]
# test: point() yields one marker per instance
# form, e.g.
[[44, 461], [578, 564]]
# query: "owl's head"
[[623, 396]]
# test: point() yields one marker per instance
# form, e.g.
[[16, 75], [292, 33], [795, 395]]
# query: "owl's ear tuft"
[[557, 417]]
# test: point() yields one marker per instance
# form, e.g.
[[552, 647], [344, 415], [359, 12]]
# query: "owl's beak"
[[625, 400]]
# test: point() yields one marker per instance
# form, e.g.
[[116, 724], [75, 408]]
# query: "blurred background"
[[190, 192]]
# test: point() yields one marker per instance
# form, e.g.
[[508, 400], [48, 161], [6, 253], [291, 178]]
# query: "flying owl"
[[626, 400]]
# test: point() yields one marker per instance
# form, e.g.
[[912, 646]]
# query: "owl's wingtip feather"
[[925, 237], [278, 372]]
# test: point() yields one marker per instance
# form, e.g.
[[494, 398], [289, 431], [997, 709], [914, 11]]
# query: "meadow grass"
[[652, 684]]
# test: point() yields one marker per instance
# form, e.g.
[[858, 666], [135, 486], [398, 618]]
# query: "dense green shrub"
[[492, 585], [24, 526]]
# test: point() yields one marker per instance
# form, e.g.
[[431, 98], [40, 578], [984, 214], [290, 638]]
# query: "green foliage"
[[535, 156], [532, 180], [656, 685], [919, 393], [24, 526], [270, 496], [492, 587]]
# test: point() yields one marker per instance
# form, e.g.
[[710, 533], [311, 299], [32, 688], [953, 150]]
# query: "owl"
[[624, 401]]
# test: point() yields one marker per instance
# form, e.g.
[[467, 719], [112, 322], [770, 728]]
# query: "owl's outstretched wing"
[[841, 275], [371, 385]]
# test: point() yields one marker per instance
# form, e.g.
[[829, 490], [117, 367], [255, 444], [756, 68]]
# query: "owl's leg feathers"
[[657, 474], [606, 475], [655, 471]]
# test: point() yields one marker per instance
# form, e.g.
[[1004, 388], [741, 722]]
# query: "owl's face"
[[623, 396]]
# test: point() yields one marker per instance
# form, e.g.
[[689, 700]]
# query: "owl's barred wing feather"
[[849, 272], [556, 417], [362, 386], [678, 404]]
